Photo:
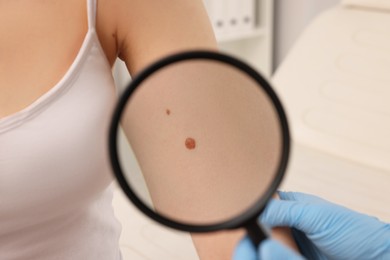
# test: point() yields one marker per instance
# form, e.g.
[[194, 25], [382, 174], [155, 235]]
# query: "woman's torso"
[[56, 98], [40, 36]]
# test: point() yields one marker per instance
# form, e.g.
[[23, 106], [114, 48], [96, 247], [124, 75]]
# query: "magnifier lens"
[[206, 139]]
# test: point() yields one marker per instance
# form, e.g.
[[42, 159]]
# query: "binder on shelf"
[[233, 17], [248, 15]]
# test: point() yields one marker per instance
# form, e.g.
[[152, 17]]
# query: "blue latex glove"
[[268, 250], [324, 230]]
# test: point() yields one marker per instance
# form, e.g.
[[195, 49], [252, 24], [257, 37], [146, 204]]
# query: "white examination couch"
[[335, 85]]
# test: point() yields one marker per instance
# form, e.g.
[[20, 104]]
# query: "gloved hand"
[[268, 250], [324, 230]]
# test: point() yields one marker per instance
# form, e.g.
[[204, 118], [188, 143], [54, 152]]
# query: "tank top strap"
[[91, 7]]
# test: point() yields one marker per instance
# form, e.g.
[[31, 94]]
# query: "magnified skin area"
[[228, 166]]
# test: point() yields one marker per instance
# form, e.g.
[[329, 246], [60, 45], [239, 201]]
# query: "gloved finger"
[[284, 213], [271, 249], [299, 196], [245, 250]]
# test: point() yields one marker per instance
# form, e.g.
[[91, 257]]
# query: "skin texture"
[[38, 36]]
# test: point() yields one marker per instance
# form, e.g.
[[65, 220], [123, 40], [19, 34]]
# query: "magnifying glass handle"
[[256, 232]]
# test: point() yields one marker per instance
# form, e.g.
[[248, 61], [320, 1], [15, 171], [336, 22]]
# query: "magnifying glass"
[[199, 142]]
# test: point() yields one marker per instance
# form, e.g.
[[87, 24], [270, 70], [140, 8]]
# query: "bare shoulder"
[[141, 31]]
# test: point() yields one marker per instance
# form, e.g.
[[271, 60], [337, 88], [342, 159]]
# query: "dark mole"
[[168, 112], [190, 143]]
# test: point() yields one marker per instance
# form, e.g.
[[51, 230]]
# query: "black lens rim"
[[238, 221]]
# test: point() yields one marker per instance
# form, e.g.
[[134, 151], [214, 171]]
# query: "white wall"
[[291, 17]]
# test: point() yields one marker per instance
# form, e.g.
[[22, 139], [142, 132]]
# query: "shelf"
[[241, 35], [252, 43]]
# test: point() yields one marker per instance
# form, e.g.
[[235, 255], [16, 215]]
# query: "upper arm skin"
[[142, 31], [147, 30]]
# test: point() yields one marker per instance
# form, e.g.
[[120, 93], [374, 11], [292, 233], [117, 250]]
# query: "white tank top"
[[55, 202]]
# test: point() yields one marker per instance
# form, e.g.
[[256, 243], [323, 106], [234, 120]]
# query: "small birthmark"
[[190, 143]]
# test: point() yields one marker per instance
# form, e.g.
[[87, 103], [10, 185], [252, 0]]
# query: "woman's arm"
[[145, 31], [148, 30]]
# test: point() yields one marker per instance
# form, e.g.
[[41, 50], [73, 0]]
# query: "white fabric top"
[[54, 168]]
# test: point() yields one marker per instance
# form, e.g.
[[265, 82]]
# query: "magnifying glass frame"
[[247, 219]]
